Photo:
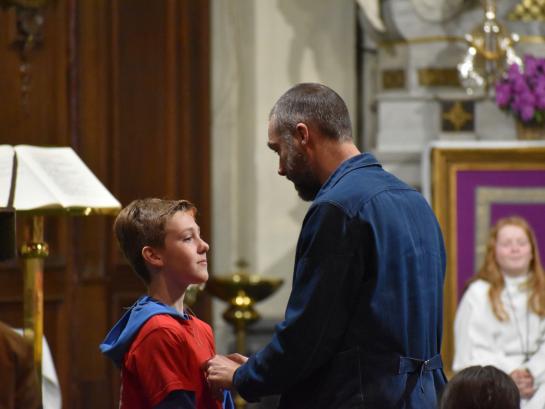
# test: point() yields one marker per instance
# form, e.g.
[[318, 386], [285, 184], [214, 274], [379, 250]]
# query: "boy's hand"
[[219, 372]]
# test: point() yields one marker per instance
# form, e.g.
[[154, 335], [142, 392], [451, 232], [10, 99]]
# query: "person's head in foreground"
[[480, 387]]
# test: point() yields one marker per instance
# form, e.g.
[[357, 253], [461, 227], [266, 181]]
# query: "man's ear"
[[302, 133], [152, 256]]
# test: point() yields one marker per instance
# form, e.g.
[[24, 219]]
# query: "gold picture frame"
[[467, 183]]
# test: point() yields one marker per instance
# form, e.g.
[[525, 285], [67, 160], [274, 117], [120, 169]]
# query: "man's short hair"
[[314, 104], [142, 223]]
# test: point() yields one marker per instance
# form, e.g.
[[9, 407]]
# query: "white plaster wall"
[[260, 48]]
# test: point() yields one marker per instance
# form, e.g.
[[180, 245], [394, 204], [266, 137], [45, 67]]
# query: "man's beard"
[[298, 171]]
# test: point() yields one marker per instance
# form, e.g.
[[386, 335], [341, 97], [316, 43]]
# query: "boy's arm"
[[178, 400]]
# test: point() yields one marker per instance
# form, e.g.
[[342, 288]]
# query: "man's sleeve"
[[327, 277]]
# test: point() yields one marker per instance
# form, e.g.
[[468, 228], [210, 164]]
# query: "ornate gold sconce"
[[242, 290], [27, 37], [489, 53]]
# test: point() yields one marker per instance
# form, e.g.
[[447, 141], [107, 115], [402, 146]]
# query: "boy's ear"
[[152, 256]]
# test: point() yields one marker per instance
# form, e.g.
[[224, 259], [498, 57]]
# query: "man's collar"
[[355, 162]]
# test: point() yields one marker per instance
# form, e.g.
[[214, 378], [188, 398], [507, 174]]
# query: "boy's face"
[[184, 253]]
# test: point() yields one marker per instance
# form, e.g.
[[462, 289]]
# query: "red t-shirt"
[[167, 355]]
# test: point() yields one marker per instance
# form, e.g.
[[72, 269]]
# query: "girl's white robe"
[[481, 339]]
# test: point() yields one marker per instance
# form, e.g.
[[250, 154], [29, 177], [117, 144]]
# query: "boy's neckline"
[[184, 314]]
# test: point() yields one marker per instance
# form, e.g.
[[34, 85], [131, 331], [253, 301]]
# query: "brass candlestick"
[[242, 290]]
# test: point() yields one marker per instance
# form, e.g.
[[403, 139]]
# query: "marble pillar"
[[259, 49]]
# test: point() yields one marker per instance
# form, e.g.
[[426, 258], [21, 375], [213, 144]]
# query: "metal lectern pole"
[[33, 252]]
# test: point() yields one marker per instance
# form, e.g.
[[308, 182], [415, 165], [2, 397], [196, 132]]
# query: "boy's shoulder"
[[164, 323], [161, 323]]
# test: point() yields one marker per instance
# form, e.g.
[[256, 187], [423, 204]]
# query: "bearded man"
[[363, 323]]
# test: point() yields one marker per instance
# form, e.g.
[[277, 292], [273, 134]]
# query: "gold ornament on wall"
[[393, 79], [438, 77], [528, 10], [457, 116]]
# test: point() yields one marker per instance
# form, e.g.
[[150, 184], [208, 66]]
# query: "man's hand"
[[525, 382], [220, 370], [238, 358]]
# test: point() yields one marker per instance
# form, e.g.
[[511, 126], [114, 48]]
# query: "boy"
[[158, 346]]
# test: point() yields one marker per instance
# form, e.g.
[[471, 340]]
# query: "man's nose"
[[281, 169]]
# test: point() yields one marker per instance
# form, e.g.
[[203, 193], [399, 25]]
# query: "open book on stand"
[[49, 178]]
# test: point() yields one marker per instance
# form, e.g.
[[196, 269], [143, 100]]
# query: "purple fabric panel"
[[533, 213], [467, 183]]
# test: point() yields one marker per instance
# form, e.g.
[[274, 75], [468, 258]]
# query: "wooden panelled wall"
[[126, 84]]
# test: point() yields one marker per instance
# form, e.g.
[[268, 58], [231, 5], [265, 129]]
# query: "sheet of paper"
[[6, 164], [65, 176], [30, 191]]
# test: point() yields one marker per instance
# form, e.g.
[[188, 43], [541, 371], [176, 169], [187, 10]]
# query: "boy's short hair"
[[142, 223]]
